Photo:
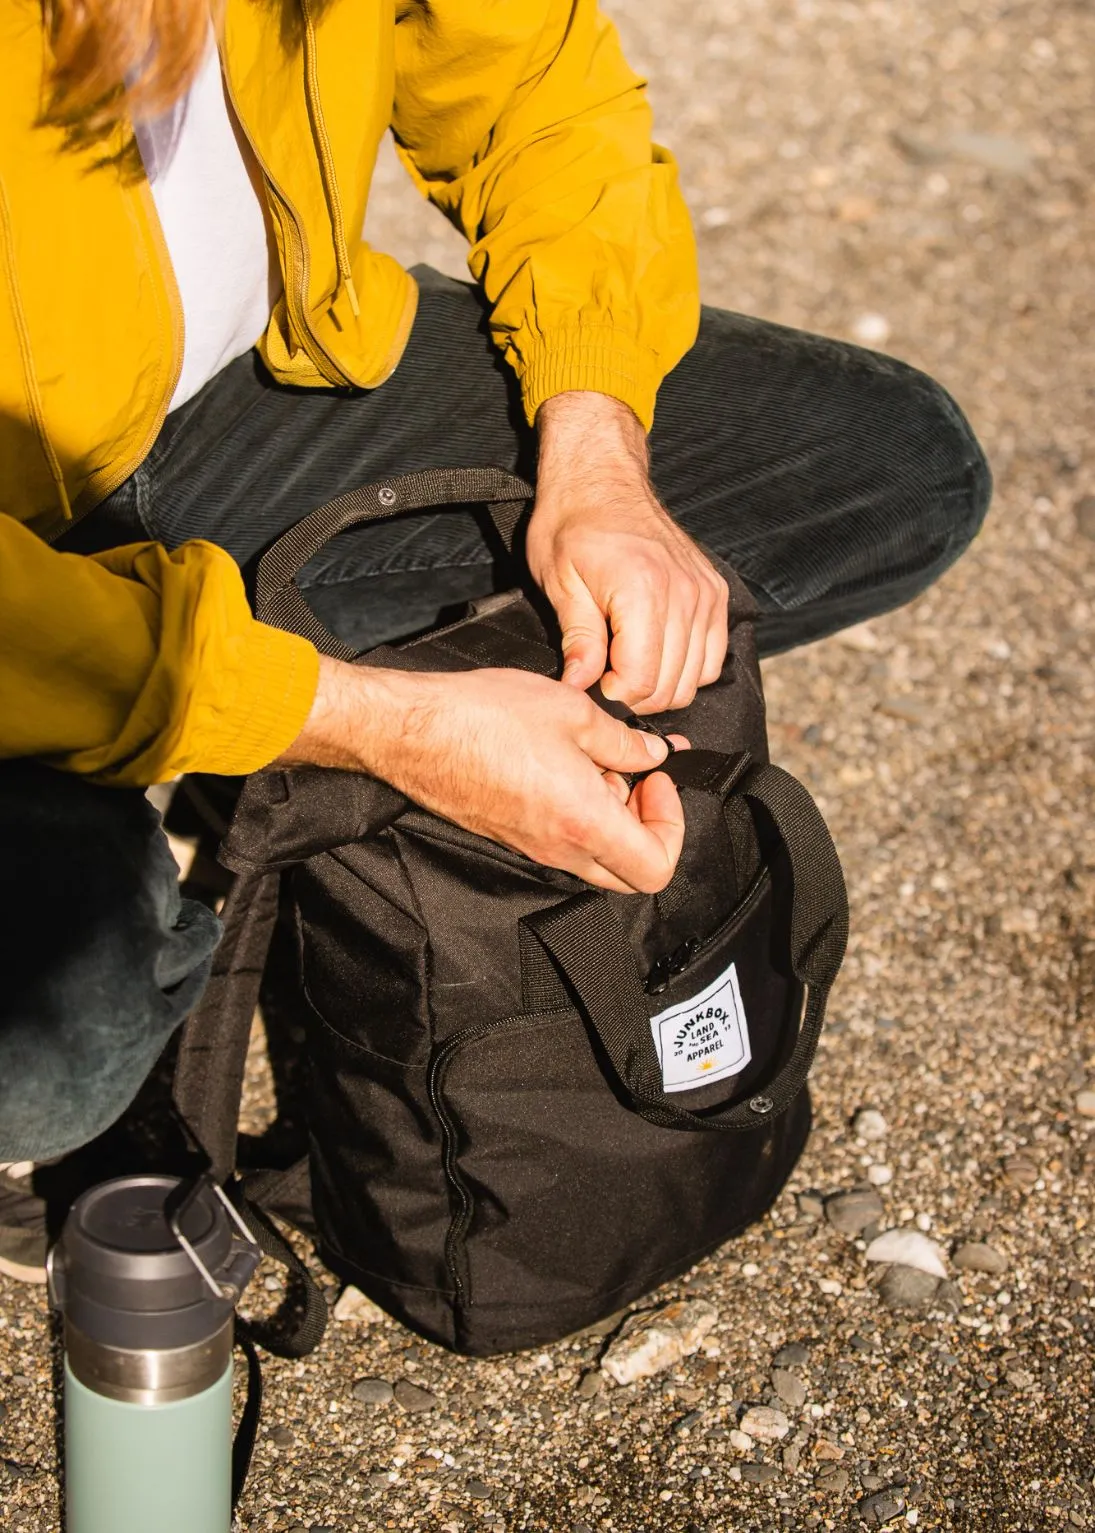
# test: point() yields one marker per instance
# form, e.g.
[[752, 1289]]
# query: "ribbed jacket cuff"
[[595, 358], [278, 676]]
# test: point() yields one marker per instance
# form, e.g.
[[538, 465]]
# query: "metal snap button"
[[386, 495], [761, 1105]]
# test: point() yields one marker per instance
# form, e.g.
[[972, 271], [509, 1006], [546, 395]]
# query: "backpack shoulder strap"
[[213, 1045]]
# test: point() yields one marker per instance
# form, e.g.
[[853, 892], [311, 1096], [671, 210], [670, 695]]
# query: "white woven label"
[[705, 1038]]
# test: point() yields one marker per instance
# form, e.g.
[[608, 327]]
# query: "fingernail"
[[655, 746]]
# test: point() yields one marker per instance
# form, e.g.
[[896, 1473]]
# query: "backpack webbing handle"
[[585, 941], [277, 597]]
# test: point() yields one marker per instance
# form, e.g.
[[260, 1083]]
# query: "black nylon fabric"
[[493, 1157]]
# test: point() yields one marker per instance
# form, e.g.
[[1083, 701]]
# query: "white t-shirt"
[[206, 186]]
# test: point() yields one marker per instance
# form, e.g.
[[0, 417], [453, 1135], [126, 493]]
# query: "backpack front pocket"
[[566, 1203]]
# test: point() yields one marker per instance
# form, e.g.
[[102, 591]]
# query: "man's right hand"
[[520, 759]]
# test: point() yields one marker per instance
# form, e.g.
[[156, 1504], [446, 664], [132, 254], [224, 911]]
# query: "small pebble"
[[907, 1287], [740, 1441], [1019, 1172], [879, 1176], [793, 1355], [759, 1474], [590, 1384], [830, 1477], [659, 1340], [411, 1398], [478, 1489], [1085, 1102], [909, 1248], [373, 1391], [976, 1256], [765, 1423], [827, 1451], [948, 1297], [831, 1286], [869, 1124], [281, 1437], [750, 1269], [881, 1508], [811, 1205], [353, 1305], [851, 1212], [789, 1387]]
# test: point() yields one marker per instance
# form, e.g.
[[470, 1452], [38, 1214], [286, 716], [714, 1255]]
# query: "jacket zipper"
[[292, 226]]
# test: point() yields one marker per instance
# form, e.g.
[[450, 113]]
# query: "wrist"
[[589, 442], [357, 717]]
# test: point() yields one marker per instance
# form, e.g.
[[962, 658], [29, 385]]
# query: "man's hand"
[[609, 557], [526, 761]]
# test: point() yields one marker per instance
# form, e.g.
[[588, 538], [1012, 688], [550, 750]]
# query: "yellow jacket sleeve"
[[137, 664], [525, 125]]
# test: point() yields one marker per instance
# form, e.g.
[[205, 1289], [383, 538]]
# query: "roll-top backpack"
[[529, 1101]]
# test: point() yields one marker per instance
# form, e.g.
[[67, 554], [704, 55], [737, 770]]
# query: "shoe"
[[23, 1238]]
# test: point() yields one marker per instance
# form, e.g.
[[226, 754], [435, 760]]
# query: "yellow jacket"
[[519, 119]]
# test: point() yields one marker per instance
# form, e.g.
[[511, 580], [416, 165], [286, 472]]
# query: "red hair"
[[115, 60]]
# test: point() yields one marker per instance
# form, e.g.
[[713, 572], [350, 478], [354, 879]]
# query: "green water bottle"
[[147, 1273]]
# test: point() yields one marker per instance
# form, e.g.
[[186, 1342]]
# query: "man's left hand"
[[642, 610]]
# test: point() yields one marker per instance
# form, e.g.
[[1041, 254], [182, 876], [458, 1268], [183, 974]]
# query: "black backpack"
[[529, 1102]]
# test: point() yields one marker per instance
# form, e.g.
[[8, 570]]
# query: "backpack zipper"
[[458, 1225]]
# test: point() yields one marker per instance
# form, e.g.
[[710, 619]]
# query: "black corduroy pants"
[[838, 482]]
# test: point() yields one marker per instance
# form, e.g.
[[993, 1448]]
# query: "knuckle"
[[653, 575]]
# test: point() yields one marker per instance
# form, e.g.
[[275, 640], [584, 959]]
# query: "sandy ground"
[[916, 175]]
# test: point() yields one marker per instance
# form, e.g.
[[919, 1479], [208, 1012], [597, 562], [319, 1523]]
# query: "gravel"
[[853, 1212], [950, 746], [978, 1256], [909, 1248], [907, 1287], [789, 1387], [765, 1423], [870, 1125], [794, 1355], [414, 1399], [881, 1508], [373, 1392]]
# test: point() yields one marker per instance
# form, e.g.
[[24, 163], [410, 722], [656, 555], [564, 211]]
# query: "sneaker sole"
[[20, 1272]]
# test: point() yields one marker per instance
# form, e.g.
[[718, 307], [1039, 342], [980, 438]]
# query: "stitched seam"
[[341, 574]]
